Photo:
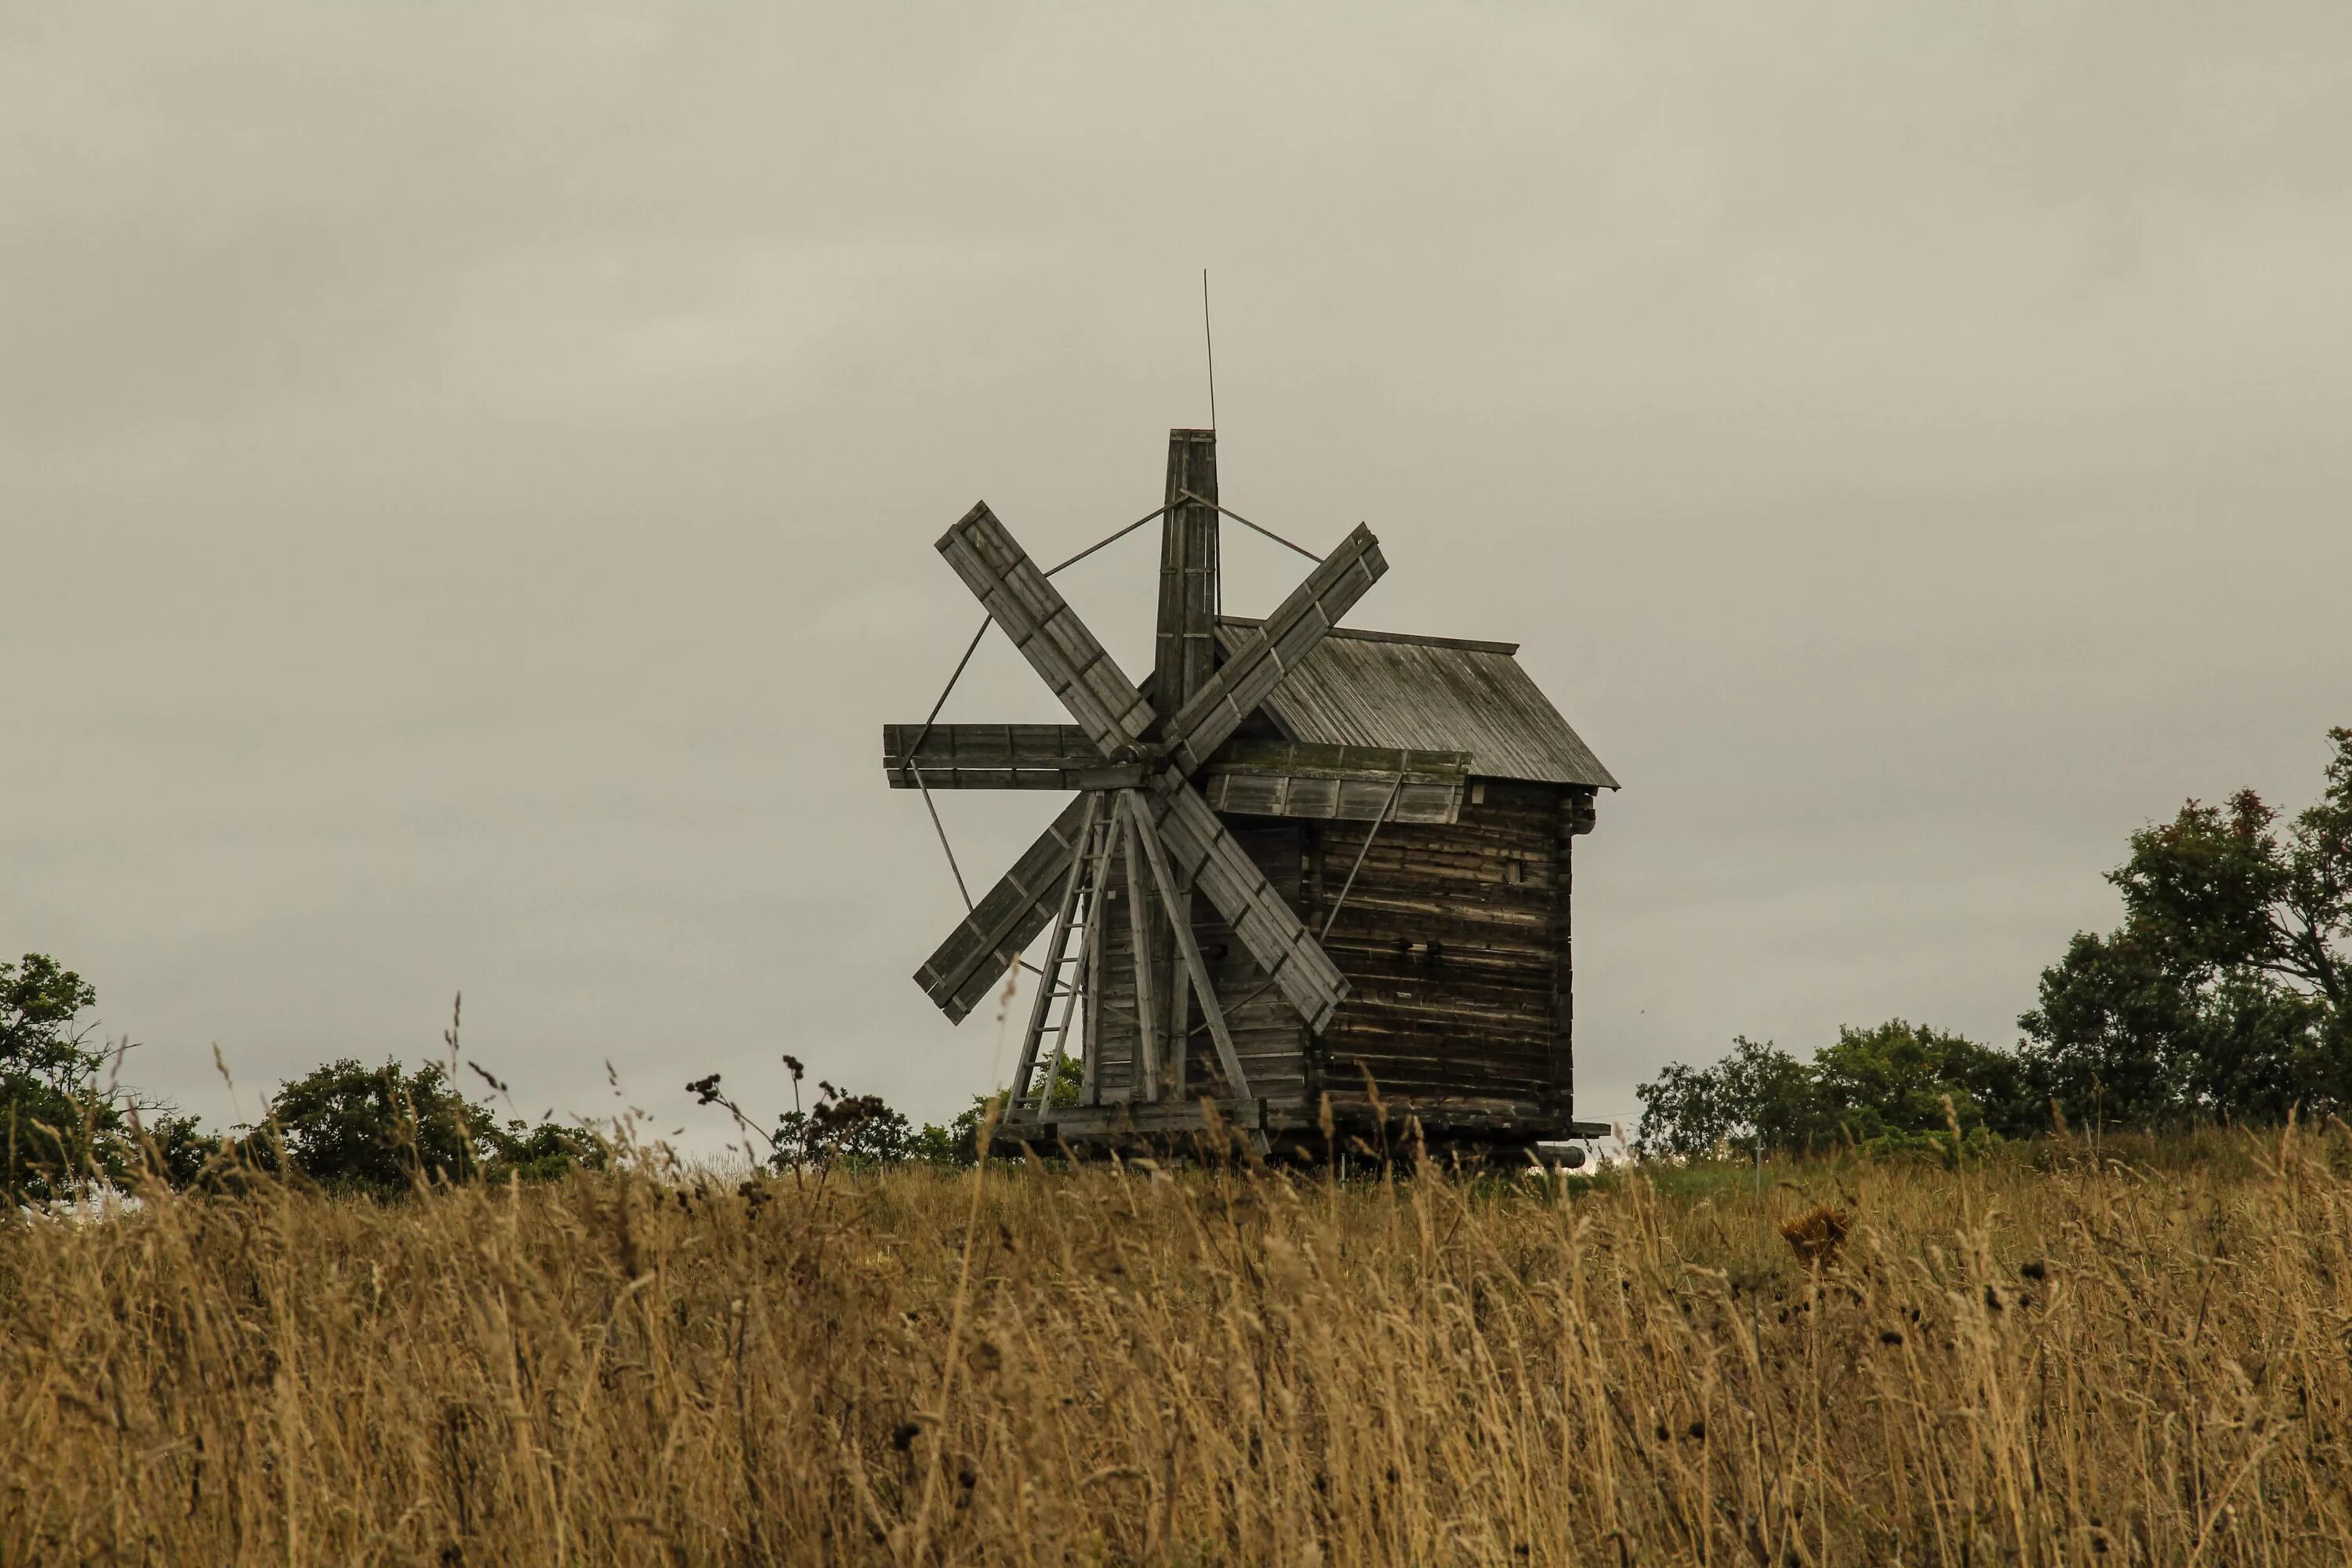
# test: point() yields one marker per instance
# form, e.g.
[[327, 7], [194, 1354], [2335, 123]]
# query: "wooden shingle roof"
[[1434, 694]]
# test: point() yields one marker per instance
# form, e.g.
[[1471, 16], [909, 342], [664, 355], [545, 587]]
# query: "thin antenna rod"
[[1211, 343]]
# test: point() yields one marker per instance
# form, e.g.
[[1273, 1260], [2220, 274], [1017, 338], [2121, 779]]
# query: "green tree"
[[1884, 1086], [2224, 991], [958, 1144], [1756, 1097], [386, 1131], [1893, 1081], [66, 1127]]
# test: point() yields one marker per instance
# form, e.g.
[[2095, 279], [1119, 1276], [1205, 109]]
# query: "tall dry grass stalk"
[[2085, 1361]]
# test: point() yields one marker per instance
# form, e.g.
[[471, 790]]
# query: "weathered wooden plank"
[[1271, 652], [1448, 942], [1267, 1031], [1119, 1042], [1139, 913], [1376, 763], [1184, 654], [1045, 631], [1097, 915], [991, 938], [999, 756], [1216, 863], [1575, 818], [1180, 923], [1284, 778]]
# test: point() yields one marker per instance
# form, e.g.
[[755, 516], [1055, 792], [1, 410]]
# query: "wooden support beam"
[[1208, 856], [999, 756], [1098, 911], [1146, 1065], [1052, 968], [1180, 917], [1178, 1017], [1185, 653]]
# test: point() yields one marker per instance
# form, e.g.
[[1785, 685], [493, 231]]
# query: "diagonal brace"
[[1228, 1059]]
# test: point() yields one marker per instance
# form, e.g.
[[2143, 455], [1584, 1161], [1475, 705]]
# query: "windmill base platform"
[[1484, 1128]]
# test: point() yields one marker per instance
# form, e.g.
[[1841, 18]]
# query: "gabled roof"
[[1430, 694]]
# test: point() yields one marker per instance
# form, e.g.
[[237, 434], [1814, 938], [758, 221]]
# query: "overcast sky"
[[469, 475]]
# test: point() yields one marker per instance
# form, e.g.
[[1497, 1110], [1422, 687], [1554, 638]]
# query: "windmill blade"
[[1046, 630], [1214, 861], [1288, 636], [968, 965], [999, 756], [1345, 784]]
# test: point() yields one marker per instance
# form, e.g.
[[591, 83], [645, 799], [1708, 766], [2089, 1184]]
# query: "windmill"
[[1209, 800]]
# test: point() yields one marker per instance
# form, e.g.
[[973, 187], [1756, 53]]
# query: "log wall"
[[1454, 942], [1457, 940]]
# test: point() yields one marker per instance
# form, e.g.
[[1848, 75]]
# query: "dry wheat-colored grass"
[[2068, 1358]]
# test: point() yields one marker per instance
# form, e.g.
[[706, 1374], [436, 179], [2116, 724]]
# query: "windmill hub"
[[1226, 811]]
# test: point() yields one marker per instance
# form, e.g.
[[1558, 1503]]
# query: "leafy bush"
[[861, 1130], [1888, 1087], [858, 1130], [1757, 1096], [385, 1131]]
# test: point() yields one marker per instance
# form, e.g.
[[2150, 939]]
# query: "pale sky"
[[468, 477]]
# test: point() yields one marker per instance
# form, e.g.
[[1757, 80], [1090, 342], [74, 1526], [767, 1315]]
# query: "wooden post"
[[1189, 947], [1144, 1077], [1184, 658], [1179, 1065], [1098, 911]]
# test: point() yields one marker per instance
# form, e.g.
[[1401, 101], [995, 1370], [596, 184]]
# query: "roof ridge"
[[1471, 645]]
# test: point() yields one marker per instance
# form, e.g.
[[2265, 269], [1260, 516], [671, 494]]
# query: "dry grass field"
[[2074, 1356]]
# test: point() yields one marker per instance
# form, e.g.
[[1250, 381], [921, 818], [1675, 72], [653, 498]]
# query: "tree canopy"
[[2221, 994], [59, 1125], [386, 1129], [2224, 991], [1895, 1085]]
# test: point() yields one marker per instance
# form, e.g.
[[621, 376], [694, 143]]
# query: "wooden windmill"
[[1309, 871]]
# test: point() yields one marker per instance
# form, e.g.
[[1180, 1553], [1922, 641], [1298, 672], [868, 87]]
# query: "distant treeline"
[[2221, 998], [70, 1127], [384, 1130]]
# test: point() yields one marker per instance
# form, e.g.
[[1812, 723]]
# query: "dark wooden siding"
[[1114, 1002], [1452, 941], [1562, 1084], [1455, 942], [1267, 1033]]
